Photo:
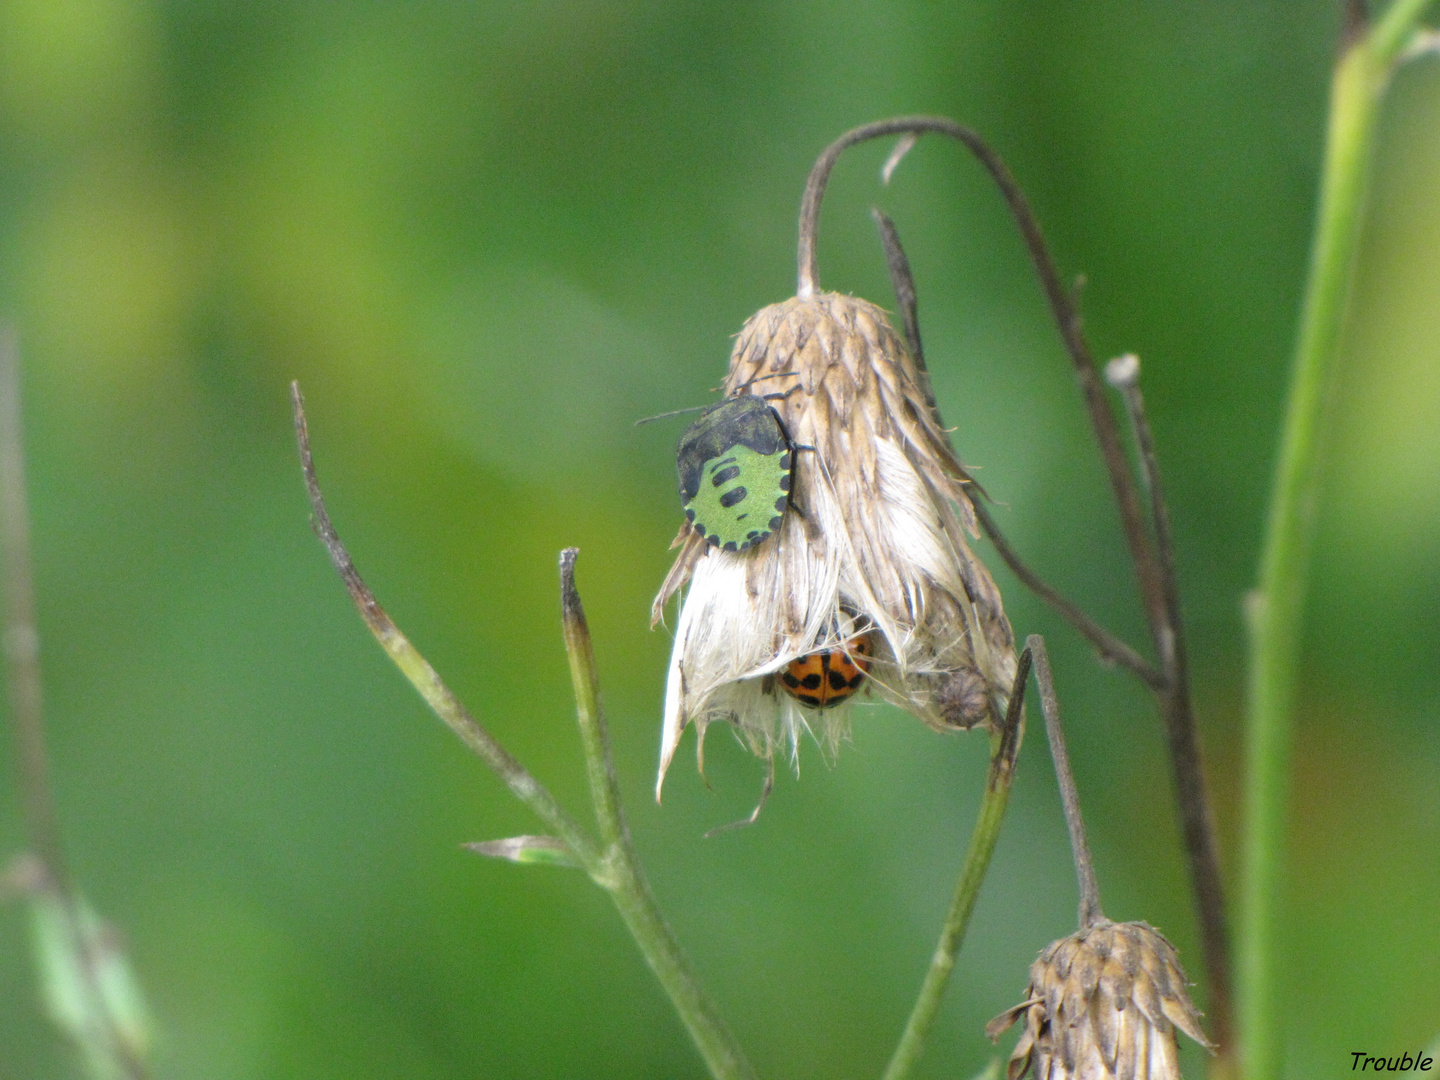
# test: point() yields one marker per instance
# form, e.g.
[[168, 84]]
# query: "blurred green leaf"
[[89, 988]]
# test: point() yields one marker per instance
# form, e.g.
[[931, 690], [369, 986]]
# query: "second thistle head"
[[1103, 1004], [828, 532]]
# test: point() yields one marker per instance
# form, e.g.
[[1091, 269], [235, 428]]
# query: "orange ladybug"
[[831, 676]]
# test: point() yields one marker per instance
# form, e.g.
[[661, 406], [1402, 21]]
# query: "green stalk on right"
[[1276, 610]]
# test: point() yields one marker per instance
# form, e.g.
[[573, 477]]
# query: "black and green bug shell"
[[735, 464]]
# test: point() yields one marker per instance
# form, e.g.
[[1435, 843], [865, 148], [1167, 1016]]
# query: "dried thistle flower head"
[[873, 542], [1103, 1004]]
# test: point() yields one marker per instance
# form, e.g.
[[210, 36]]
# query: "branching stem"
[[1154, 573], [1110, 647], [612, 863]]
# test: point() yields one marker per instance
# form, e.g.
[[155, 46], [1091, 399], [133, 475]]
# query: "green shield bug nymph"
[[735, 464]]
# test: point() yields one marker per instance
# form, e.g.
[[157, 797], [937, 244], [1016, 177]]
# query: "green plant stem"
[[622, 875], [99, 1032], [712, 1036], [1276, 609], [612, 864], [1004, 747], [425, 679]]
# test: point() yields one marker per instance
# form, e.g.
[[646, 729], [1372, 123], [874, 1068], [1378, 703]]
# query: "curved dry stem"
[[1109, 646], [1154, 574], [1062, 307]]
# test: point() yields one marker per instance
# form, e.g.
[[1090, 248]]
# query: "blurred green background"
[[487, 237]]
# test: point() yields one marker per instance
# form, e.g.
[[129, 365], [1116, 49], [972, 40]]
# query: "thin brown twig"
[[1062, 307], [1111, 648], [903, 282], [1155, 579], [1090, 912], [1196, 819]]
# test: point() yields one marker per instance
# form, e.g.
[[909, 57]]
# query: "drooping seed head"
[[874, 536]]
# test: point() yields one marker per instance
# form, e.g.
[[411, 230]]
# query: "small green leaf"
[[545, 850], [88, 986]]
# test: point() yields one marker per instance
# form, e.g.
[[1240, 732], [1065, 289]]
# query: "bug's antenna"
[[673, 412], [742, 386], [762, 378]]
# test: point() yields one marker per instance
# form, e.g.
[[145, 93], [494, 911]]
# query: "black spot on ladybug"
[[811, 681], [790, 681], [837, 681], [854, 684], [809, 699], [734, 495]]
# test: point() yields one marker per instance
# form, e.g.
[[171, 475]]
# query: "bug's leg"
[[754, 814], [782, 395]]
